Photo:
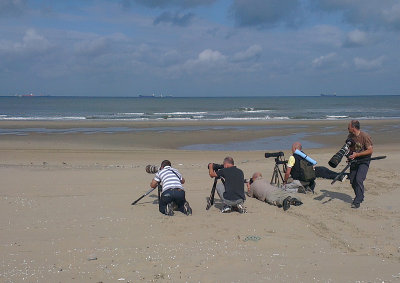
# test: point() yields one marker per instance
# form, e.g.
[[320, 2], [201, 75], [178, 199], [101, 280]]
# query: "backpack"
[[307, 172]]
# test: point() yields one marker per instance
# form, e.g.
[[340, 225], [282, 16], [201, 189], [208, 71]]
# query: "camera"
[[274, 154], [216, 167], [345, 150], [152, 169]]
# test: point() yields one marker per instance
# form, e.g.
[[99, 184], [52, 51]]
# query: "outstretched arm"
[[211, 171]]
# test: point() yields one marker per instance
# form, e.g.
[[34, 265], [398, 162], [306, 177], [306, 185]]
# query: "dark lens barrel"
[[152, 169], [274, 154], [335, 160]]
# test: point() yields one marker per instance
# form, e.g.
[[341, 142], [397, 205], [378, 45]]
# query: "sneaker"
[[343, 177], [295, 202], [355, 205], [301, 190], [187, 209], [226, 209], [169, 210], [286, 203], [240, 208]]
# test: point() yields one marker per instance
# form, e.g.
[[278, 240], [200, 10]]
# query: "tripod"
[[159, 188], [277, 177], [210, 200]]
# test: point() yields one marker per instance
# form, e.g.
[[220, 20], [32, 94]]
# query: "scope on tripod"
[[274, 154]]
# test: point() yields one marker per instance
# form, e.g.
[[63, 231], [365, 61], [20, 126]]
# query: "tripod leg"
[[210, 200], [159, 188], [280, 174]]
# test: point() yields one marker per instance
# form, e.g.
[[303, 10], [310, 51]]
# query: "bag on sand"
[[307, 172]]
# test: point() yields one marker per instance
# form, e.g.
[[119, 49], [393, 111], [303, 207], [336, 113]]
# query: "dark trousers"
[[176, 196], [323, 172], [357, 176]]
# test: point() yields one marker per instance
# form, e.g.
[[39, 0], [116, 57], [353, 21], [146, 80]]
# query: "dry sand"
[[65, 213]]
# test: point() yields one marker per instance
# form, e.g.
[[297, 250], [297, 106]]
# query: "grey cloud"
[[356, 38], [368, 65], [176, 19], [253, 52], [92, 48], [12, 7], [174, 3], [31, 43], [365, 13], [264, 12], [324, 61]]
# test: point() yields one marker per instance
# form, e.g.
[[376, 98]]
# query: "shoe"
[[286, 203], [187, 209], [301, 190], [355, 205], [295, 202], [226, 209], [343, 177], [240, 208], [169, 210]]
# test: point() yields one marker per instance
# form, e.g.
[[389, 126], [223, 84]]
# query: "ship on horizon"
[[154, 96], [328, 95]]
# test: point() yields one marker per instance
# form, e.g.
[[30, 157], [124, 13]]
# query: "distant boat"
[[154, 96], [327, 95]]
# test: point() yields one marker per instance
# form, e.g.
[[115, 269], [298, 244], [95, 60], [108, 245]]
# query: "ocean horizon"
[[50, 108]]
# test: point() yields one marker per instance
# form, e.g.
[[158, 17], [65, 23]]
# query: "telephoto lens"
[[152, 169], [335, 160]]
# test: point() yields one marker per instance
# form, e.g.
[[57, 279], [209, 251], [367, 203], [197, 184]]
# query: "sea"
[[197, 108]]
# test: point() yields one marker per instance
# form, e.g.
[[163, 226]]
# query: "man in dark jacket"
[[231, 191]]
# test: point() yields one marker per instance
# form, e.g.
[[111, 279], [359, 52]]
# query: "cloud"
[[92, 48], [264, 12], [175, 19], [253, 52], [324, 61], [174, 3], [12, 7], [356, 38], [365, 13], [32, 42], [368, 65]]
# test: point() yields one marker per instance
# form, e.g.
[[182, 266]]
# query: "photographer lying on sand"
[[262, 190]]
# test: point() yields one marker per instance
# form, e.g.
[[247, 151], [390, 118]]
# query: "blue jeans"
[[175, 196]]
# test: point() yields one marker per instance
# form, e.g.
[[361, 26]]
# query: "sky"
[[200, 47]]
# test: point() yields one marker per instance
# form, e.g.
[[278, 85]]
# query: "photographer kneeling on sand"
[[262, 190], [173, 194], [231, 192]]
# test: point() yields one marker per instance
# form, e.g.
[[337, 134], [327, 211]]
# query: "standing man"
[[361, 147], [173, 194], [231, 192]]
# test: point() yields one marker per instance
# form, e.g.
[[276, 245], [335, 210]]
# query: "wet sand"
[[66, 214]]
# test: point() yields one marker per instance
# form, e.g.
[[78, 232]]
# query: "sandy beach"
[[66, 213]]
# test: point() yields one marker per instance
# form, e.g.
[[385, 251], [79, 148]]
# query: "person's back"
[[173, 193], [231, 191], [259, 188], [169, 178], [234, 180]]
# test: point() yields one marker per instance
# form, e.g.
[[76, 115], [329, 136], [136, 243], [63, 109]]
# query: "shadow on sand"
[[333, 195]]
